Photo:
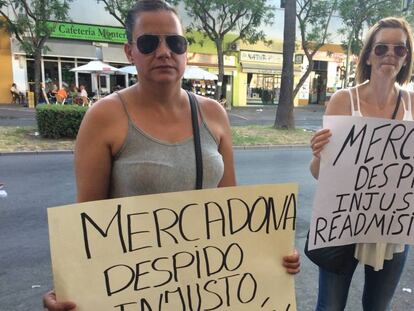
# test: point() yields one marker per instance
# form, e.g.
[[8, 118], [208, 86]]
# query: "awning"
[[114, 54], [79, 49], [270, 69], [62, 48]]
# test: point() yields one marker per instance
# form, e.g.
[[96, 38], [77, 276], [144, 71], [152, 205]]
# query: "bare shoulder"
[[211, 109], [215, 116], [339, 104], [411, 93], [105, 109]]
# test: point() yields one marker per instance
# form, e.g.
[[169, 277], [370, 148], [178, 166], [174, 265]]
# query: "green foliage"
[[119, 8], [313, 17], [215, 18], [28, 20], [357, 14], [57, 121]]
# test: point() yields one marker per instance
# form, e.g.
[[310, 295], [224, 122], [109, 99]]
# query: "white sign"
[[365, 188], [261, 57]]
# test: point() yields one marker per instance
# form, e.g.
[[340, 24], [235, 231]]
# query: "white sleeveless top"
[[374, 254]]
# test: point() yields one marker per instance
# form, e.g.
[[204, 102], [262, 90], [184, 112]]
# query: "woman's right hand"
[[319, 140], [50, 303]]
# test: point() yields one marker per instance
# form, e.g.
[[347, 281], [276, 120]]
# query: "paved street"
[[309, 117], [35, 182]]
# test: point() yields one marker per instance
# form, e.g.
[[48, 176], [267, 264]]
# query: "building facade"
[[252, 72]]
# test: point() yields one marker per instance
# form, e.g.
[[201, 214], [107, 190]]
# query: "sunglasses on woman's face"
[[147, 44], [382, 49]]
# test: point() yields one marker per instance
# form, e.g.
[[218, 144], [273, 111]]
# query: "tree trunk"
[[220, 60], [37, 73], [348, 54], [284, 114]]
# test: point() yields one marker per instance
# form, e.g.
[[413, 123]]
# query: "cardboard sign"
[[215, 249], [365, 188]]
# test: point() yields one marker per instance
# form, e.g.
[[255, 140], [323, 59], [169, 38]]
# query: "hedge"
[[57, 121]]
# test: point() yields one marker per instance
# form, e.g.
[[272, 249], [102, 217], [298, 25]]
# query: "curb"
[[270, 147], [11, 153], [45, 152]]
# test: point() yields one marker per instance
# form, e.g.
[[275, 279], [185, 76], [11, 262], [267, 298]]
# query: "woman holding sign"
[[140, 140], [385, 63]]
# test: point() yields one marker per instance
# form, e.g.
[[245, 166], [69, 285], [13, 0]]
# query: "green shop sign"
[[88, 32]]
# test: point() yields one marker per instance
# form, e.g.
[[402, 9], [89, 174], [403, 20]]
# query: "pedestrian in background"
[[17, 95]]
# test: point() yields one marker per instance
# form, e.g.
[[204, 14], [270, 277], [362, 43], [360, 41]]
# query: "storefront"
[[209, 62], [326, 77], [259, 77], [72, 45]]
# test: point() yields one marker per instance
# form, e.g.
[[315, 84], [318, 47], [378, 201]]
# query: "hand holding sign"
[[319, 140], [365, 189], [195, 249]]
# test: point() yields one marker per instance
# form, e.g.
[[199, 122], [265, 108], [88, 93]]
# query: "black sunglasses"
[[382, 49], [147, 44]]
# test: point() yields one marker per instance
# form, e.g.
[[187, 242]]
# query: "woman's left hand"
[[292, 263]]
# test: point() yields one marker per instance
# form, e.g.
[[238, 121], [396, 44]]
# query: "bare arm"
[[93, 154], [338, 105], [226, 151], [218, 122]]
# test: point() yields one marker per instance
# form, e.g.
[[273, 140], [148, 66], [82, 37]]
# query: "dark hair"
[[144, 6], [363, 70]]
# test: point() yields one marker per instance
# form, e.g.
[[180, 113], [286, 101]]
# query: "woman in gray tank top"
[[140, 140]]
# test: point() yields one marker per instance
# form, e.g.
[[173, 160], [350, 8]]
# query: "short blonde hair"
[[363, 70]]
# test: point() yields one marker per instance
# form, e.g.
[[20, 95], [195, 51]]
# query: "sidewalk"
[[16, 115]]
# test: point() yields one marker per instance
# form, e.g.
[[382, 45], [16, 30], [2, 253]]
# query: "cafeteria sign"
[[88, 32]]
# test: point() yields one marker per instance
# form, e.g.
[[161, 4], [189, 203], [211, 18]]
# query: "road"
[[308, 117], [35, 182]]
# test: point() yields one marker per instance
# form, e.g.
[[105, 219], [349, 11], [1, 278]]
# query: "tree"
[[216, 18], [29, 20], [119, 8], [355, 15], [313, 17], [284, 114]]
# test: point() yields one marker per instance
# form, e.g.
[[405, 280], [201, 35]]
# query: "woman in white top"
[[83, 95], [384, 63]]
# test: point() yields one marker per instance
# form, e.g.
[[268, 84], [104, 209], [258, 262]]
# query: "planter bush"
[[58, 121], [267, 97]]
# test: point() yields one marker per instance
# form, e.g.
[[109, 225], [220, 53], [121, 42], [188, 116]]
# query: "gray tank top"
[[146, 165]]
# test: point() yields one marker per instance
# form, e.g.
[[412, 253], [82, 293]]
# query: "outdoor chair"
[[15, 98]]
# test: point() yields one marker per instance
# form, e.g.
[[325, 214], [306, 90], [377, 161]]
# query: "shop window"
[[117, 81], [262, 89], [31, 74], [68, 76], [102, 81], [86, 80], [204, 88], [51, 72]]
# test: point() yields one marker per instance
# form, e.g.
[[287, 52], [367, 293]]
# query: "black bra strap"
[[394, 114], [197, 143]]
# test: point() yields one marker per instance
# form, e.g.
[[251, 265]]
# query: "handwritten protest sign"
[[365, 188], [215, 249]]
